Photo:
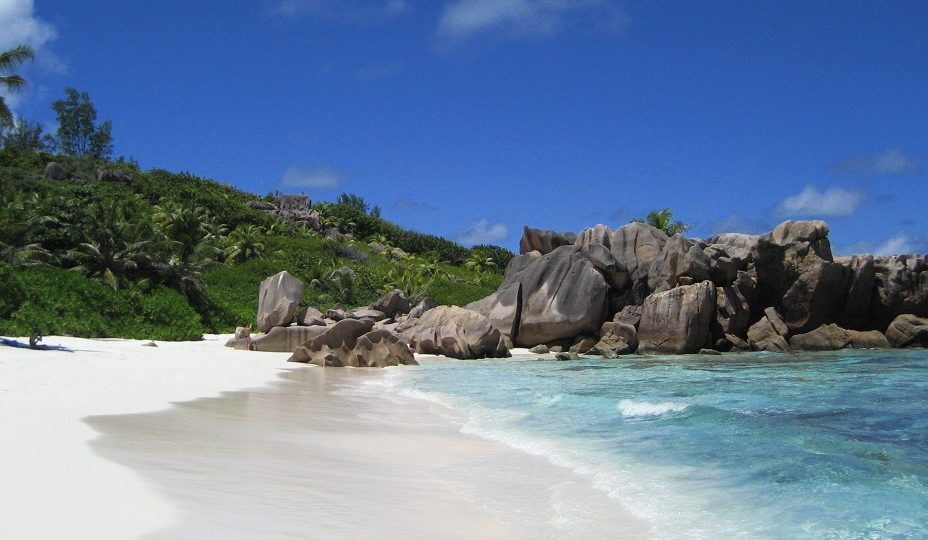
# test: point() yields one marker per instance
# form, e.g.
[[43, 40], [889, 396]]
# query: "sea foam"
[[630, 408]]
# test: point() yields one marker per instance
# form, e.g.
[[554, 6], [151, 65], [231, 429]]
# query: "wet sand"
[[315, 457]]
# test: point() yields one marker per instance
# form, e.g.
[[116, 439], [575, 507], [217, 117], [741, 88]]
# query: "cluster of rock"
[[383, 334], [294, 208], [633, 289], [626, 290], [103, 173]]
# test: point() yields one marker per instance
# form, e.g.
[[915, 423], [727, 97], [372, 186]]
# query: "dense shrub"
[[11, 291], [500, 255], [62, 302]]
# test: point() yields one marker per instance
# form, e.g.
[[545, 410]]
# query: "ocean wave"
[[631, 409]]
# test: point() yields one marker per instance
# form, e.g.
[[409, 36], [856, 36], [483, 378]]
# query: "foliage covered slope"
[[164, 255]]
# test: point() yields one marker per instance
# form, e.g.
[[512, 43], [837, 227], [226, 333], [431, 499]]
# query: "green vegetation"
[[663, 220], [11, 59], [161, 255]]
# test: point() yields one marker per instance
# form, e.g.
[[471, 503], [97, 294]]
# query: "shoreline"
[[56, 417], [45, 396]]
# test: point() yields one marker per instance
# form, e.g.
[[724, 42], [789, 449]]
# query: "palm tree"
[[480, 264], [19, 222], [663, 220], [11, 83], [116, 244], [244, 243], [188, 231]]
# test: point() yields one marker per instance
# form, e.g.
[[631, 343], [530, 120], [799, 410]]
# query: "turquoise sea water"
[[738, 446]]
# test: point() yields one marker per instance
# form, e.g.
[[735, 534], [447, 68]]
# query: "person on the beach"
[[34, 339]]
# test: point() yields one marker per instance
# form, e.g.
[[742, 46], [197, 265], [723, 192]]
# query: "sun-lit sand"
[[302, 456]]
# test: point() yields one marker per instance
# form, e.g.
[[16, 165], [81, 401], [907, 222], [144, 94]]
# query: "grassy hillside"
[[166, 255]]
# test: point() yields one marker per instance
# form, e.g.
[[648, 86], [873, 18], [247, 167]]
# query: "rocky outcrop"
[[544, 241], [366, 313], [769, 333], [636, 246], [310, 316], [677, 321], [392, 304], [278, 339], [113, 174], [455, 332], [908, 331], [351, 343], [678, 258], [901, 288], [559, 295], [278, 299], [798, 276], [616, 338], [733, 313], [423, 306], [55, 171], [831, 337]]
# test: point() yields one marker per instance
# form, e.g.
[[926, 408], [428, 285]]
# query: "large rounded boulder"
[[456, 332], [278, 299], [678, 321], [556, 296]]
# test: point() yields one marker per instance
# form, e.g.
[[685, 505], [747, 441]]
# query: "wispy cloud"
[[811, 202], [483, 232], [886, 163], [900, 243], [348, 11], [514, 19], [317, 177], [20, 26]]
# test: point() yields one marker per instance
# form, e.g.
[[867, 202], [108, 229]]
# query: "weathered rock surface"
[[769, 333], [677, 321], [831, 337], [901, 288], [333, 345], [392, 304], [539, 349], [310, 316], [908, 331], [278, 299], [113, 174], [371, 314], [629, 315], [54, 171], [456, 332], [732, 311], [381, 348], [423, 306], [636, 246], [617, 338], [797, 274], [559, 295], [583, 344], [278, 339], [678, 258], [544, 241]]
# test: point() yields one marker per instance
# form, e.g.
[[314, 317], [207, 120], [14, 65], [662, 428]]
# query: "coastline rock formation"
[[278, 299], [352, 342], [773, 292], [455, 332]]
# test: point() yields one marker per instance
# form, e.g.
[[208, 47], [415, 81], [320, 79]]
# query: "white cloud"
[[483, 232], [318, 177], [896, 245], [352, 11], [886, 163], [463, 19], [18, 26], [811, 202]]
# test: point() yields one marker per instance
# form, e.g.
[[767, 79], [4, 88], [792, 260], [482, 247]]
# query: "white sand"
[[52, 485], [204, 471]]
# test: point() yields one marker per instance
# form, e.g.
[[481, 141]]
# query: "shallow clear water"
[[739, 446]]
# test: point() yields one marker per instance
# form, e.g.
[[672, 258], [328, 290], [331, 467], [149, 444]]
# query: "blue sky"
[[472, 118]]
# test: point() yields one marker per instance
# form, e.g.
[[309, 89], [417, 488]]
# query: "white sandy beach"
[[362, 469]]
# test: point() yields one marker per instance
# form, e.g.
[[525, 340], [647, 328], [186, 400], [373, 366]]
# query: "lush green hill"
[[161, 255]]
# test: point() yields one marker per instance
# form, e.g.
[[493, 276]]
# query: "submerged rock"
[[831, 337]]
